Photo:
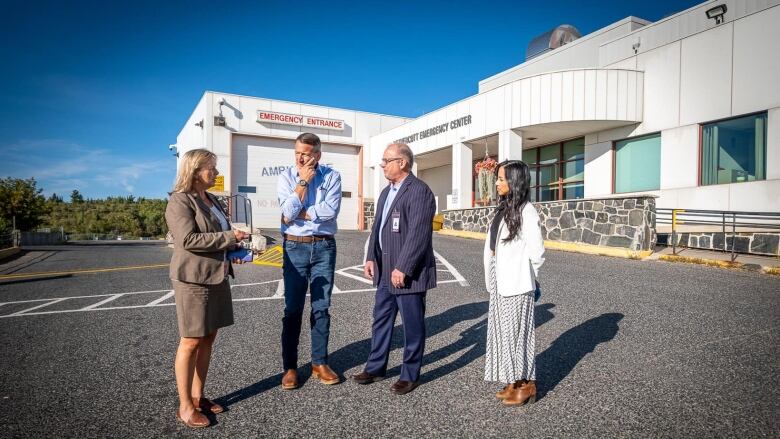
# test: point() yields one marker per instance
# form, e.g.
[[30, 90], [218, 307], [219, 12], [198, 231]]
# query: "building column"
[[510, 145], [462, 175], [378, 184]]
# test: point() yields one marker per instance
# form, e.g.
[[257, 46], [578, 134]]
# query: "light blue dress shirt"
[[388, 202], [322, 202]]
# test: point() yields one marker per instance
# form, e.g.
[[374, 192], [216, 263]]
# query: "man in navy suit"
[[401, 263]]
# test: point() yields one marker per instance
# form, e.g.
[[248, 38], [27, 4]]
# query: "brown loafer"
[[524, 392], [208, 405], [197, 420], [367, 378], [505, 392], [402, 387], [325, 374], [290, 379]]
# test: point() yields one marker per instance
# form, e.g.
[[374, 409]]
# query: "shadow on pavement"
[[473, 339], [355, 354], [555, 363], [34, 279]]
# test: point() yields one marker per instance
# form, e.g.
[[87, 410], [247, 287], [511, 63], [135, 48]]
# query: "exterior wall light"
[[717, 13]]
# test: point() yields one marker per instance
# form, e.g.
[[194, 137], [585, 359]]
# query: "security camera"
[[171, 147]]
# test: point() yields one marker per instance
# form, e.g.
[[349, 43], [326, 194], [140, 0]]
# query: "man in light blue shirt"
[[310, 199]]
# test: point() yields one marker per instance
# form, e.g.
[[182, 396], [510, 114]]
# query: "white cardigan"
[[517, 261]]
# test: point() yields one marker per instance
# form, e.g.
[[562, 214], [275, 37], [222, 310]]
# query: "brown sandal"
[[207, 404], [197, 420]]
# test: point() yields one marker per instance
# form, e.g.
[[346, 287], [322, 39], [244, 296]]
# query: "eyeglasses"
[[386, 162]]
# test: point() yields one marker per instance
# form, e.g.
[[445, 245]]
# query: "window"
[[557, 170], [734, 150], [638, 164]]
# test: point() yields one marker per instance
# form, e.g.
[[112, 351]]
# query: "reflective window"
[[734, 150], [638, 164]]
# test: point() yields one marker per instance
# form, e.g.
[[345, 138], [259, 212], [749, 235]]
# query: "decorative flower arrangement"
[[485, 171]]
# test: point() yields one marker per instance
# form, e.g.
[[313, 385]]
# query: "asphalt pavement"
[[625, 348]]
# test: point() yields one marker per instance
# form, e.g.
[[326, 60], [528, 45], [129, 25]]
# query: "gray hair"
[[310, 139], [405, 152]]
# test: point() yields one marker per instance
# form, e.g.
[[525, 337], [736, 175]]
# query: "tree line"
[[23, 202]]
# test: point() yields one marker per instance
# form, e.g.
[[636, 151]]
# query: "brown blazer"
[[199, 244]]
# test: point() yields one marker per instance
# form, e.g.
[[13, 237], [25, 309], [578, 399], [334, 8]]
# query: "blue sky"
[[92, 93]]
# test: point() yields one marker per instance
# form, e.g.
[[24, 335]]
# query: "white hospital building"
[[686, 108]]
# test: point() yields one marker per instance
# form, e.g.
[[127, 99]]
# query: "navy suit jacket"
[[410, 250]]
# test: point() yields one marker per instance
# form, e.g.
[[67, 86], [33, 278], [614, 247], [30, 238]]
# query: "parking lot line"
[[458, 277], [102, 302], [167, 296], [83, 271], [52, 302]]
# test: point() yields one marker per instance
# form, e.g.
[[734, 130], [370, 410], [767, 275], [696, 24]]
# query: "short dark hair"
[[310, 139]]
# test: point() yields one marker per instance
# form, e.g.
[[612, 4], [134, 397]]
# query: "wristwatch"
[[303, 183]]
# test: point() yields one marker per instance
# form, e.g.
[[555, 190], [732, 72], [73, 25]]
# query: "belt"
[[313, 238]]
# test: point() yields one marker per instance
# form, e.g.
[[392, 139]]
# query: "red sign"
[[300, 120]]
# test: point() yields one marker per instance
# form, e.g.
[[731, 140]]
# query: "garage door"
[[257, 162]]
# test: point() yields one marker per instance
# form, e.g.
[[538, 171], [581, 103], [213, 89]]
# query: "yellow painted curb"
[[701, 261], [8, 252], [462, 234], [772, 270], [574, 247], [578, 247]]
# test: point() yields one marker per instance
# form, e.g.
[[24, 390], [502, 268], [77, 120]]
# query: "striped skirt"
[[510, 349]]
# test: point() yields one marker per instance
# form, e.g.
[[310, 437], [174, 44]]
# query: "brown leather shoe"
[[290, 379], [196, 420], [367, 378], [523, 392], [205, 404], [325, 374], [402, 387], [505, 392]]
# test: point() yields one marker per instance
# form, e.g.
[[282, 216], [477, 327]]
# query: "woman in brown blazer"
[[199, 269]]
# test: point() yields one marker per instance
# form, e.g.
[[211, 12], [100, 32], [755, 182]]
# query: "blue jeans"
[[307, 267]]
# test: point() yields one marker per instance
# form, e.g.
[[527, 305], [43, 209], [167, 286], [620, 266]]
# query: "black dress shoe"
[[402, 387], [367, 378]]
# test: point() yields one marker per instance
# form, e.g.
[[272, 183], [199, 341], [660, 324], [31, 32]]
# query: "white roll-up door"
[[257, 162]]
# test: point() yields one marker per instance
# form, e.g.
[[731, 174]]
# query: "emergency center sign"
[[300, 120]]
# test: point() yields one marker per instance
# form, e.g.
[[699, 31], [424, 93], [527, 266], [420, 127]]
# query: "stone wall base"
[[758, 243]]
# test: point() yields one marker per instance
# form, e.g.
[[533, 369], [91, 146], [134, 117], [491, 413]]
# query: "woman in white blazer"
[[512, 256]]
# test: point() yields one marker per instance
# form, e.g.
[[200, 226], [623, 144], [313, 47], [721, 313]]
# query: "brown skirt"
[[202, 309]]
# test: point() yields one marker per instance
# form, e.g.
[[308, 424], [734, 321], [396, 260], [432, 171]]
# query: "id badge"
[[396, 218]]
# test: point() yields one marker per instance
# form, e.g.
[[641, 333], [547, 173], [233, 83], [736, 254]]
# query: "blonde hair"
[[192, 161]]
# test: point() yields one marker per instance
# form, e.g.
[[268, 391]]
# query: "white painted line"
[[102, 302], [355, 277], [279, 290], [29, 301], [356, 291], [254, 283], [455, 273], [86, 297], [167, 296], [18, 313]]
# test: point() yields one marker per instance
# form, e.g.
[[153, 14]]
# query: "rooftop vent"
[[552, 39]]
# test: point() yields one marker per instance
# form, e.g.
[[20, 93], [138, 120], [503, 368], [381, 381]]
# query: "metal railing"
[[726, 220], [239, 207]]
